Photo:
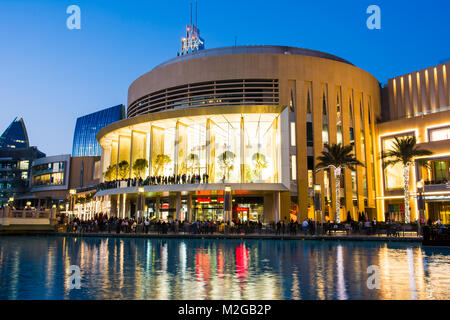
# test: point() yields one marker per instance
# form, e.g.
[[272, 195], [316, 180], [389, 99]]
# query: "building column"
[[277, 206], [228, 204], [242, 152], [178, 206], [268, 208], [172, 204], [124, 206], [158, 204], [113, 206], [189, 208], [119, 206]]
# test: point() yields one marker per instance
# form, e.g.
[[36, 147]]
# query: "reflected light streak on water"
[[412, 280], [342, 295], [114, 268]]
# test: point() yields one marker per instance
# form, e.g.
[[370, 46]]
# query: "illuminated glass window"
[[293, 134], [325, 133], [23, 165], [393, 175], [354, 185], [439, 134], [293, 167], [86, 129], [326, 184], [372, 150], [339, 120], [324, 121], [363, 148], [310, 179], [441, 171], [238, 148]]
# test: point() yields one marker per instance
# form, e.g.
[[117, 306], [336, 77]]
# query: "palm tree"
[[124, 169], [139, 167], [337, 157], [403, 151]]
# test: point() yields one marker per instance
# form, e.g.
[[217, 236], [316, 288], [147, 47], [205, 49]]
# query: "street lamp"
[[318, 203], [421, 203]]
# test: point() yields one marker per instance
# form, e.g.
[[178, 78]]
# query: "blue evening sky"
[[50, 75]]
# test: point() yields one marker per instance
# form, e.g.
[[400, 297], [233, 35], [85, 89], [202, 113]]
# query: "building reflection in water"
[[36, 268]]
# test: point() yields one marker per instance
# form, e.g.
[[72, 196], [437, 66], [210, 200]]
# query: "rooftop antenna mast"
[[192, 42]]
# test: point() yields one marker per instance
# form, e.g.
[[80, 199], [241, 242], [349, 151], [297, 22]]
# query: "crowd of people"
[[156, 180], [101, 223]]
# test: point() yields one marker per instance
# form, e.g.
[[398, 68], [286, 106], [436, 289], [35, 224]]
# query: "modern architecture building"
[[63, 181], [86, 128], [16, 157], [250, 122], [15, 136], [49, 180], [417, 104], [15, 172]]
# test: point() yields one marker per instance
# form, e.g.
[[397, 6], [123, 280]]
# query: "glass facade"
[[393, 174], [236, 148], [439, 134], [15, 136], [87, 127], [437, 171], [48, 174], [15, 171]]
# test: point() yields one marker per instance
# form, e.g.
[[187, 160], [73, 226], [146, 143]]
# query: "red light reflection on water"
[[242, 261], [220, 264], [202, 266]]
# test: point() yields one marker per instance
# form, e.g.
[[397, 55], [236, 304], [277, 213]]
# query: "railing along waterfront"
[[11, 216], [33, 214]]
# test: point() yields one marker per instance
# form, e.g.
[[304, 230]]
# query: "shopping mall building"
[[249, 122]]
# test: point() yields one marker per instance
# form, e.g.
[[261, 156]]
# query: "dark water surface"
[[114, 268]]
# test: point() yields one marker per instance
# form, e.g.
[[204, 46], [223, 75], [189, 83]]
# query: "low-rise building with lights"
[[417, 104], [253, 119]]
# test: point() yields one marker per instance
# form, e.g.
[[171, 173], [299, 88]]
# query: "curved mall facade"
[[252, 120]]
